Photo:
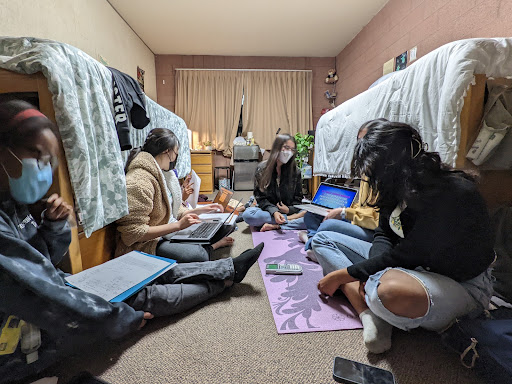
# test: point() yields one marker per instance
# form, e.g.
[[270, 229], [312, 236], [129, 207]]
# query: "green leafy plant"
[[207, 143], [304, 144]]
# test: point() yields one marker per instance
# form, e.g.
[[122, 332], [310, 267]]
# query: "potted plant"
[[208, 145], [304, 144]]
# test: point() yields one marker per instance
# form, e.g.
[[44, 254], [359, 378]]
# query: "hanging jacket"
[[129, 107]]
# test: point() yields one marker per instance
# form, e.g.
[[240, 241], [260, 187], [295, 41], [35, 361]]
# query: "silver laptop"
[[330, 196], [201, 232]]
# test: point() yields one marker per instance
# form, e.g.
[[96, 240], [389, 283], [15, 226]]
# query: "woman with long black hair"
[[155, 206], [277, 188], [430, 260]]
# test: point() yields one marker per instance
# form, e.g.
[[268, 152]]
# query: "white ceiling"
[[311, 28]]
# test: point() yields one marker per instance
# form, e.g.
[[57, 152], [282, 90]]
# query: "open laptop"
[[330, 196], [203, 232]]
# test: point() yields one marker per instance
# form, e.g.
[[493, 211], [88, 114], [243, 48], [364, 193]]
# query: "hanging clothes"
[[129, 107]]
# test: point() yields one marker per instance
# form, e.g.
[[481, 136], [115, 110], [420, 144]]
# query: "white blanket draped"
[[429, 95]]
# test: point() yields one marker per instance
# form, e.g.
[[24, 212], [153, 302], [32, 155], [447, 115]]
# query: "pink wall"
[[427, 24], [166, 65]]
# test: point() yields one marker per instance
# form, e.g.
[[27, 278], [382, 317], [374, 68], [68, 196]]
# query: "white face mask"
[[285, 156]]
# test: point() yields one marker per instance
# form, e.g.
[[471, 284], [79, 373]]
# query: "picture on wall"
[[401, 61], [140, 77]]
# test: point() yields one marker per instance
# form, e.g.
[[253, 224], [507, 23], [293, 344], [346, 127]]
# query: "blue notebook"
[[120, 278]]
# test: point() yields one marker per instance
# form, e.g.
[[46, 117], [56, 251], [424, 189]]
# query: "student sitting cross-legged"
[[277, 188], [156, 209], [358, 221], [33, 292], [430, 260]]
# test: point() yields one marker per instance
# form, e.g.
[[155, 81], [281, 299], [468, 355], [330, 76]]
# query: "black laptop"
[[206, 232]]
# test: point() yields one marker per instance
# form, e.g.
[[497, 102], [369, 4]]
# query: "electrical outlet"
[[412, 54]]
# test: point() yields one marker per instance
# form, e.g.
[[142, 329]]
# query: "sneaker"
[[303, 236], [310, 255]]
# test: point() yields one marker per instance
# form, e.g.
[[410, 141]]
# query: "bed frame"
[[495, 186]]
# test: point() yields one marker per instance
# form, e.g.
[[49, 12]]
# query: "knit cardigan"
[[148, 205]]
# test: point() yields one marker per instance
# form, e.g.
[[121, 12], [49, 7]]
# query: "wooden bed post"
[[495, 186]]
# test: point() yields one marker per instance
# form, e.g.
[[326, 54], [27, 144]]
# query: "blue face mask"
[[33, 183]]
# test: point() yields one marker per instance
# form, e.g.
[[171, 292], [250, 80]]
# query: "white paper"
[[218, 217], [192, 199], [116, 276]]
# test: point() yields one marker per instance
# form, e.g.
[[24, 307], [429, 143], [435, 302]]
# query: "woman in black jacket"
[[431, 254], [277, 188]]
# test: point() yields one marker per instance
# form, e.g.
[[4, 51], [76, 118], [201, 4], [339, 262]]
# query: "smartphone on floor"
[[352, 372]]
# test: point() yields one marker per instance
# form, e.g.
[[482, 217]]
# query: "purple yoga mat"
[[294, 299]]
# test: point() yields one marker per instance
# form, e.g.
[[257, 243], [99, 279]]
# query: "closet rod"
[[244, 70]]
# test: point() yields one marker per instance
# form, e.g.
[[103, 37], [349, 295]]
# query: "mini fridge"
[[245, 161]]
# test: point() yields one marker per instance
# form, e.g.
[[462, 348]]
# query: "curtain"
[[274, 100], [210, 103]]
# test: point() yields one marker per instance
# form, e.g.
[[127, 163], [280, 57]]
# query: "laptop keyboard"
[[204, 230], [319, 210]]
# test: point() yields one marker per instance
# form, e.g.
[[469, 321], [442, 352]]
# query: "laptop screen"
[[334, 196]]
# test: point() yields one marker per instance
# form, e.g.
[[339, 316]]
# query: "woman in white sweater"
[[155, 203]]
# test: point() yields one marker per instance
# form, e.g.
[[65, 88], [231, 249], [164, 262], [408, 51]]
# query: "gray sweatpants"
[[183, 287], [183, 252]]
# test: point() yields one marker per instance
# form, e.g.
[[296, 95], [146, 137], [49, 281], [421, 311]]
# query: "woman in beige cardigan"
[[155, 203]]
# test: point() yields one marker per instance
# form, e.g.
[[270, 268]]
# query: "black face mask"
[[172, 164]]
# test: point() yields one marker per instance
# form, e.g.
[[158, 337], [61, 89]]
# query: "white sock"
[[310, 254], [376, 332], [303, 236]]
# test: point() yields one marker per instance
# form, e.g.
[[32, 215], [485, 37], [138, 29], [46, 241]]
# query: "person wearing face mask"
[[35, 303], [155, 203], [277, 188]]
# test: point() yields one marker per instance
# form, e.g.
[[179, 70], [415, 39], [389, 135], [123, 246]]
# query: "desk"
[[202, 164]]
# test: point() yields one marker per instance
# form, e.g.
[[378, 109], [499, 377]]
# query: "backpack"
[[501, 222], [484, 344]]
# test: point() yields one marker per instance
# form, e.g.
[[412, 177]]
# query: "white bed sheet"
[[429, 95]]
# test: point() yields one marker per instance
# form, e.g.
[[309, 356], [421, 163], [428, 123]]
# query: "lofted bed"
[[442, 94], [75, 91]]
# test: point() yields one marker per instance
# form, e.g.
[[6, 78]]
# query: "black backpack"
[[484, 344]]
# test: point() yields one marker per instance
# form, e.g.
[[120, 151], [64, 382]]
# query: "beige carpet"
[[233, 339]]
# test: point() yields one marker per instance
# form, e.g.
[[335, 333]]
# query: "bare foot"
[[269, 227], [296, 215], [224, 242]]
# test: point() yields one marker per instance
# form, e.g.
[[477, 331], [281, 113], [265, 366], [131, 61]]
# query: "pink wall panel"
[[427, 24]]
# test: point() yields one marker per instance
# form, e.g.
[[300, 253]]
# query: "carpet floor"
[[233, 340]]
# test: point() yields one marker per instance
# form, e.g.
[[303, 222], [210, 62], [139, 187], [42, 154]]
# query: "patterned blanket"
[[82, 96]]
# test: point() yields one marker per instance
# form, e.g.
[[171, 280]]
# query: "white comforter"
[[429, 95]]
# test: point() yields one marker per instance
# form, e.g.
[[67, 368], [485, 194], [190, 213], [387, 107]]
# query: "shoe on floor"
[[303, 236]]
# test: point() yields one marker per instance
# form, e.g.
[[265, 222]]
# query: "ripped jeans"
[[448, 298]]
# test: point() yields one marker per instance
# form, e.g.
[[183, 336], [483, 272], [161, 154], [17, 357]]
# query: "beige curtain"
[[274, 100], [210, 102]]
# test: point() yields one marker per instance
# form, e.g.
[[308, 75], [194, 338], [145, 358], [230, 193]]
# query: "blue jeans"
[[314, 224], [256, 217], [448, 299], [336, 250]]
